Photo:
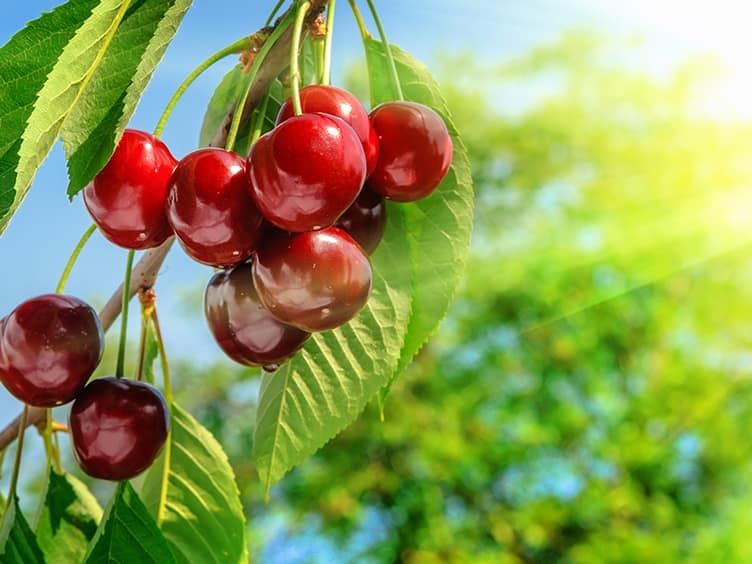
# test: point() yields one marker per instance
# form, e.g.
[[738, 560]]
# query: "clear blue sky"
[[37, 243]]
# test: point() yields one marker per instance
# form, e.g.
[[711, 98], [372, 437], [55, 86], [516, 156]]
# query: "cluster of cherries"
[[290, 229]]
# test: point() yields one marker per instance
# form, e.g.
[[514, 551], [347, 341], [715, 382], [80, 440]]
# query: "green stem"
[[142, 345], [388, 51], [273, 13], [327, 75], [53, 456], [294, 50], [319, 49], [258, 126], [260, 56], [74, 256], [237, 47], [168, 399], [19, 449], [120, 370], [359, 20]]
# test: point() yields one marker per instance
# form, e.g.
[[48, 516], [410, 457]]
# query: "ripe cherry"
[[126, 199], [210, 209], [415, 151], [49, 347], [315, 280], [306, 172], [243, 328], [340, 103], [365, 220], [118, 427]]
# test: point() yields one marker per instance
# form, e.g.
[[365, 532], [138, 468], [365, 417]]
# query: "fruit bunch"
[[290, 227]]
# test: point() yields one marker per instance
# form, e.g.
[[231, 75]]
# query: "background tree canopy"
[[588, 397]]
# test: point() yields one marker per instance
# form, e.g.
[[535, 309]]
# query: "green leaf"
[[95, 125], [19, 545], [223, 100], [440, 225], [416, 270], [203, 518], [43, 69], [127, 533], [68, 520]]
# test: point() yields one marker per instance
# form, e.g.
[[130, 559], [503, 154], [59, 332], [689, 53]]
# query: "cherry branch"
[[146, 271]]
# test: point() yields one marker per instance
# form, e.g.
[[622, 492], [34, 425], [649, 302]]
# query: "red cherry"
[[306, 172], [118, 427], [210, 210], [243, 328], [315, 280], [49, 347], [126, 199], [415, 151], [365, 220], [340, 103]]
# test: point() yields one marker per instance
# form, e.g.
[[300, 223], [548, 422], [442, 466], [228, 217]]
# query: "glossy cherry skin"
[[306, 172], [340, 103], [118, 427], [415, 151], [210, 209], [243, 328], [315, 280], [126, 199], [365, 220], [49, 347]]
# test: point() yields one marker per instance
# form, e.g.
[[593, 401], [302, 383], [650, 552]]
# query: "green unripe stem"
[[168, 400], [326, 79], [359, 20], [237, 47], [388, 50], [273, 13], [120, 370], [72, 260], [258, 123], [260, 56], [294, 51], [17, 461]]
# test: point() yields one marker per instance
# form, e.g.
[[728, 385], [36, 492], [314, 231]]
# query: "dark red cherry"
[[415, 151], [365, 220], [210, 209], [49, 347], [243, 328], [118, 427], [340, 103], [315, 280], [306, 172], [126, 199]]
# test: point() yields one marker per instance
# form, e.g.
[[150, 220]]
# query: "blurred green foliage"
[[588, 397]]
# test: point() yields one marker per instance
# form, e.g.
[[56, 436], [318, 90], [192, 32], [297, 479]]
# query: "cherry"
[[365, 220], [49, 347], [126, 199], [340, 103], [118, 427], [315, 280], [306, 172], [415, 151], [210, 209], [243, 328]]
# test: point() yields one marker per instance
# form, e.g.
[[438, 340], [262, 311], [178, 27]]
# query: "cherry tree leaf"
[[203, 518], [19, 545], [68, 520], [96, 123], [416, 270]]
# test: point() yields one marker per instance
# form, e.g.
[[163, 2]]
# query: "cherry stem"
[[73, 258], [273, 13], [236, 47], [147, 297], [168, 399], [388, 50], [359, 20], [258, 124], [120, 370], [327, 78], [257, 61], [17, 461], [294, 51], [53, 456]]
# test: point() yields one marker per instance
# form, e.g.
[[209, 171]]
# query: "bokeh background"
[[588, 397]]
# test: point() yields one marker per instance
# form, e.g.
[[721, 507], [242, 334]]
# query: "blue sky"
[[36, 245]]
